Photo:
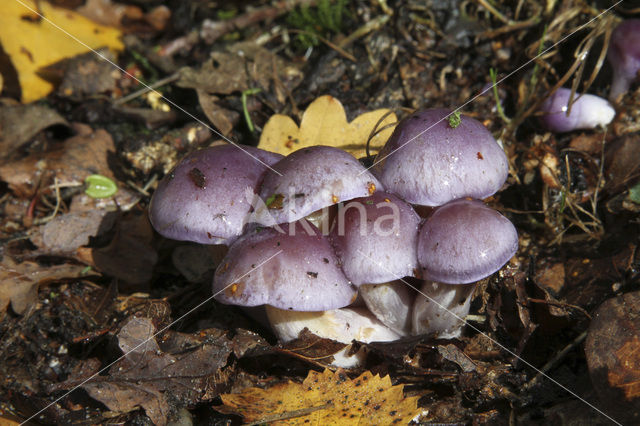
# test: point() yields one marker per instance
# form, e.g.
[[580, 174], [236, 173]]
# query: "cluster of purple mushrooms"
[[325, 244], [318, 241]]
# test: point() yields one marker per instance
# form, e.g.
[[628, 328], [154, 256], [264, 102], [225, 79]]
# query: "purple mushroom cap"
[[587, 111], [429, 161], [624, 56], [376, 238], [206, 198], [296, 270], [465, 241], [310, 179]]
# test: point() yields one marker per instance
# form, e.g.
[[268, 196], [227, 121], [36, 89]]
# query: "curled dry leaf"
[[20, 123], [129, 256], [40, 43], [325, 398], [324, 122]]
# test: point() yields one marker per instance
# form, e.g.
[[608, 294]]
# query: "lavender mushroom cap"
[[376, 238], [430, 162], [206, 198], [624, 56], [465, 241], [311, 179], [587, 111], [292, 270]]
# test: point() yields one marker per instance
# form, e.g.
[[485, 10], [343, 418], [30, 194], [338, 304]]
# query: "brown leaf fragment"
[[86, 75], [20, 123], [613, 356], [243, 66], [66, 233], [19, 282], [126, 397], [453, 354], [313, 349], [550, 279], [130, 255], [621, 162], [222, 118], [158, 371], [326, 398], [80, 156]]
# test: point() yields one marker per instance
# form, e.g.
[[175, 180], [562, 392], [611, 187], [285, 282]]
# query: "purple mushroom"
[[375, 239], [587, 111], [462, 242], [431, 158], [624, 56], [311, 179], [207, 197], [297, 270]]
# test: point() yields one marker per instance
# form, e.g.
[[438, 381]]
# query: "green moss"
[[319, 21]]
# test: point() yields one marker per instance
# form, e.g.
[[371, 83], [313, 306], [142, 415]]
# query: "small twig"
[[150, 182], [131, 96], [560, 305], [372, 25], [334, 46], [553, 361], [494, 11]]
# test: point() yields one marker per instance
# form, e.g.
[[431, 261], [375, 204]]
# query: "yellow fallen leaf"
[[325, 398], [324, 122], [32, 42]]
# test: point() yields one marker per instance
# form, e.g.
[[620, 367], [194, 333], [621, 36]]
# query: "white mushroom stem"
[[441, 309], [391, 303], [342, 325]]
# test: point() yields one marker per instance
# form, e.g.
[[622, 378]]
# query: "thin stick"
[[131, 96]]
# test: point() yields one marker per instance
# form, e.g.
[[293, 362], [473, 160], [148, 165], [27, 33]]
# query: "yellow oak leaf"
[[33, 42], [324, 122], [323, 399]]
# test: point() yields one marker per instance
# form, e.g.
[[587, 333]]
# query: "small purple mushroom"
[[465, 241], [624, 56], [375, 239], [296, 270], [462, 242], [207, 197], [310, 179], [587, 111], [431, 160]]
